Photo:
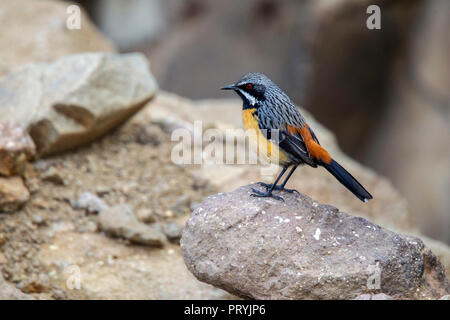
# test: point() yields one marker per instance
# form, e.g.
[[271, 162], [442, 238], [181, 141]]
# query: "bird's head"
[[254, 88]]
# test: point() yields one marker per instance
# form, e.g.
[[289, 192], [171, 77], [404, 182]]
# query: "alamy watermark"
[[231, 146], [374, 279], [73, 277], [73, 21], [374, 20]]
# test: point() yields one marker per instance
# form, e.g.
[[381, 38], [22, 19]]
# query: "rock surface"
[[13, 194], [121, 221], [173, 231], [16, 147], [300, 249], [76, 99], [9, 292], [36, 32]]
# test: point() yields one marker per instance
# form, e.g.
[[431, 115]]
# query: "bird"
[[284, 136]]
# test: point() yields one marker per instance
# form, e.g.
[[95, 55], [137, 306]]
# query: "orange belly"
[[264, 148]]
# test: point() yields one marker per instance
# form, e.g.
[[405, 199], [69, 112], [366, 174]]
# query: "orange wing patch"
[[314, 149]]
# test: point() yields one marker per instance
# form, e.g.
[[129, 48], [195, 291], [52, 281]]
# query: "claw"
[[289, 190], [265, 195], [268, 186]]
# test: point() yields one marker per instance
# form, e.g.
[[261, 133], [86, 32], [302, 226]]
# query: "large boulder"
[[77, 98], [299, 249], [36, 31]]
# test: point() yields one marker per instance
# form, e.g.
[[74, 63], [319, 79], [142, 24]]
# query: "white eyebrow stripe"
[[251, 99]]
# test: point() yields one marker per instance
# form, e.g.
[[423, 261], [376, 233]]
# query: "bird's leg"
[[281, 186], [268, 193]]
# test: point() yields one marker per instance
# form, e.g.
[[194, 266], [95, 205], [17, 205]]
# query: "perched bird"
[[283, 134]]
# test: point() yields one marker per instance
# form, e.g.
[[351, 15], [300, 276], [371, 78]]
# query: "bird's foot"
[[268, 186], [267, 194]]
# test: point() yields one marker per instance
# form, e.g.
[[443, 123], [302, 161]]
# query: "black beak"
[[230, 87]]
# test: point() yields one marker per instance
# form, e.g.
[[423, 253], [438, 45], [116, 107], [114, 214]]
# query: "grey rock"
[[90, 202], [182, 204], [75, 99], [121, 221], [173, 230], [9, 292], [299, 249], [13, 194]]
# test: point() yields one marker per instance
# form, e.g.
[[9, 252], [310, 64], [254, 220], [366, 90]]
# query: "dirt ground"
[[131, 165]]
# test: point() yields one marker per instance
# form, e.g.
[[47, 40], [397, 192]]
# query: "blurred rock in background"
[[384, 93], [44, 37], [193, 40], [411, 144], [351, 66]]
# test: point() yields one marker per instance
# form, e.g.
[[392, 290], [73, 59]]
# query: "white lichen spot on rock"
[[317, 234], [281, 220]]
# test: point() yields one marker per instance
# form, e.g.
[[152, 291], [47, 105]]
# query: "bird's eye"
[[248, 86]]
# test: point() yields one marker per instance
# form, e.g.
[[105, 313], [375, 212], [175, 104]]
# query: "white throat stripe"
[[251, 99]]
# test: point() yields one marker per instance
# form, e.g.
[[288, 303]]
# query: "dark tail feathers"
[[347, 180]]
